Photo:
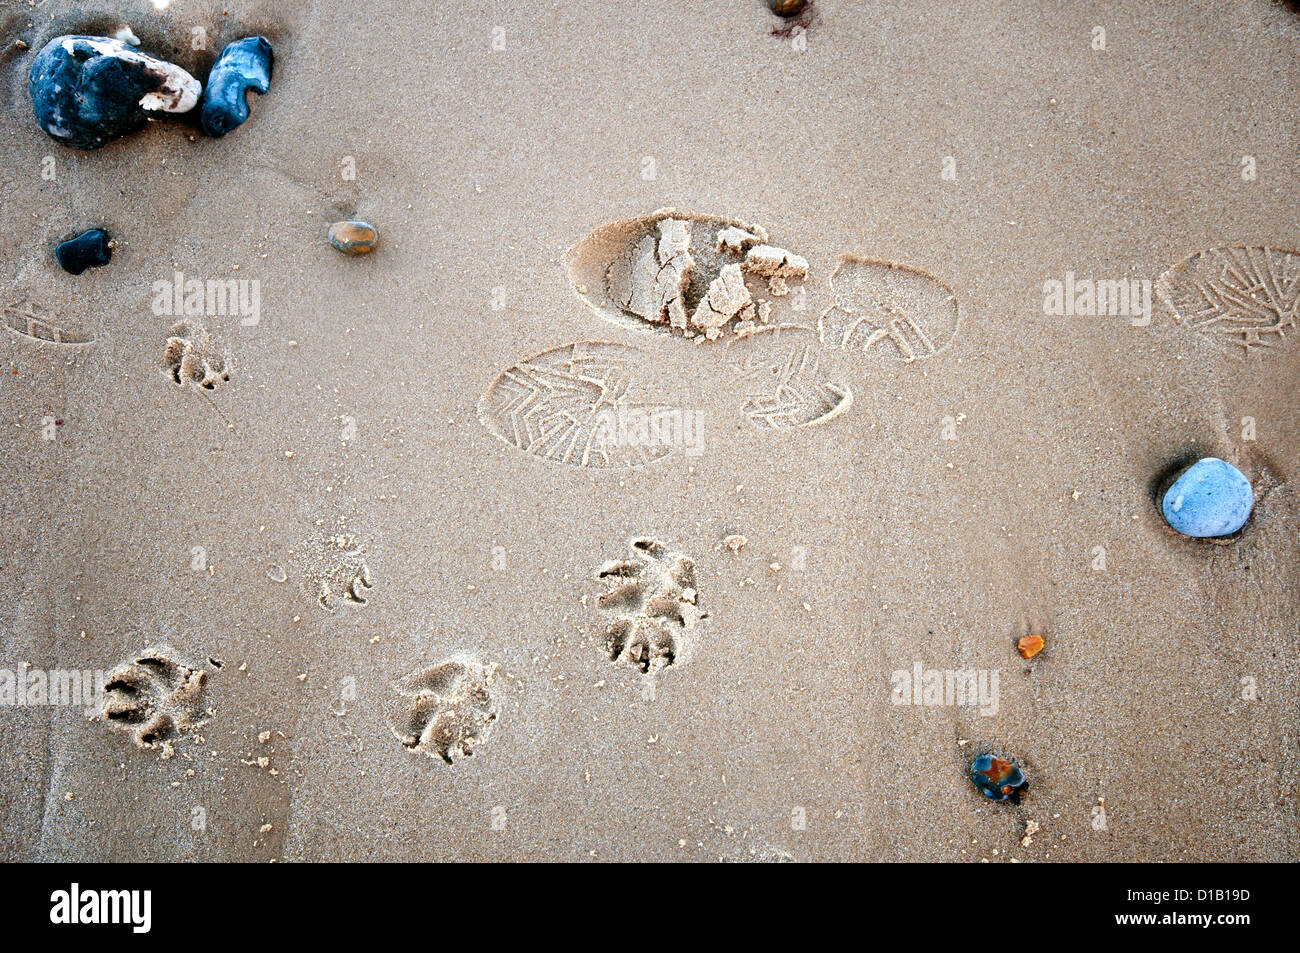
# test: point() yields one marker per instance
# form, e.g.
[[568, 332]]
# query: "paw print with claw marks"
[[154, 697], [654, 603]]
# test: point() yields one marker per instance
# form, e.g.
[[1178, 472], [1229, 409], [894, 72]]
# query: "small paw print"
[[350, 583]]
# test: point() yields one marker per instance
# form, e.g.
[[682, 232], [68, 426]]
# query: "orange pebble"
[[1030, 645]]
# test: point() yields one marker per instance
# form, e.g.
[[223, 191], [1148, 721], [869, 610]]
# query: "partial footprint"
[[154, 697], [348, 583], [780, 372], [28, 318], [1245, 299], [682, 273], [446, 711], [570, 404], [883, 305], [654, 603], [191, 357]]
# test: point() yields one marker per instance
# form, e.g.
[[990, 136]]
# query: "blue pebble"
[[998, 780], [1211, 498], [242, 65], [88, 250], [89, 90]]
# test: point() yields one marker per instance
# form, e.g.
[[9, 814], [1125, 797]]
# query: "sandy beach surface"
[[276, 562]]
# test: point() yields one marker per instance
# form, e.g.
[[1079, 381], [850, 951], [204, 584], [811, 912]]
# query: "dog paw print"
[[446, 711], [348, 584], [654, 604], [154, 697], [335, 569], [191, 358]]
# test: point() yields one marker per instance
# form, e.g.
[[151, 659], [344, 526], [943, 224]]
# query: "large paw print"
[[445, 711], [154, 697], [655, 605]]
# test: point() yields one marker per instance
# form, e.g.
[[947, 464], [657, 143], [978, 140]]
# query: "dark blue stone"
[[89, 90], [996, 779], [88, 250], [242, 65]]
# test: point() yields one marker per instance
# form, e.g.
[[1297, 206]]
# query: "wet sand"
[[348, 435]]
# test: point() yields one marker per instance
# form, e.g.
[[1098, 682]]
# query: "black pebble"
[[88, 250]]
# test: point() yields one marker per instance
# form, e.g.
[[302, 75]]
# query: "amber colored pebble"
[[1030, 645]]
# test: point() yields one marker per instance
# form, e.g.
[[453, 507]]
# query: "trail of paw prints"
[[685, 274], [566, 404], [191, 357], [781, 375], [1244, 299], [25, 317], [447, 711], [653, 605], [155, 697], [887, 307]]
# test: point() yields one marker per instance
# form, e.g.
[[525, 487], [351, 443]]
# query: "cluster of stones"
[[87, 91]]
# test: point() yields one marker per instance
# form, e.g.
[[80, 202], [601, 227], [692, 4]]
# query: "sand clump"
[[680, 274]]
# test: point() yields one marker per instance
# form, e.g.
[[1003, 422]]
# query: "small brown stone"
[[353, 238], [787, 8]]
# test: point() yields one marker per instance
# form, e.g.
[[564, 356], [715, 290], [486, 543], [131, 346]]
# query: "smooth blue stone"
[[242, 65], [1211, 498]]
